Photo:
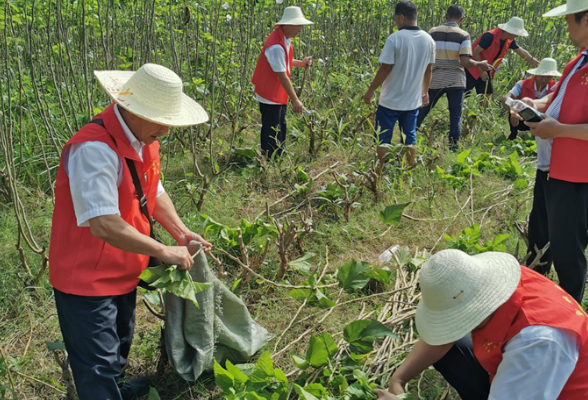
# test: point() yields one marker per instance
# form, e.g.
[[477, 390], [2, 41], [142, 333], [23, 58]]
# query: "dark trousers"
[[463, 372], [560, 216], [482, 87], [97, 332], [455, 99], [273, 129], [514, 130]]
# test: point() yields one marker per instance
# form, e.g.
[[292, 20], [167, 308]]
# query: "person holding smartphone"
[[539, 85], [560, 202]]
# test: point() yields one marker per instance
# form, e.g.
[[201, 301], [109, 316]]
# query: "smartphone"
[[531, 115]]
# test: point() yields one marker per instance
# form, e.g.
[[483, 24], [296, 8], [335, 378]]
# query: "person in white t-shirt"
[[406, 65], [272, 80]]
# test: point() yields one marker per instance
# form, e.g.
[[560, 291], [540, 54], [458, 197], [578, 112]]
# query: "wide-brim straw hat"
[[571, 7], [153, 93], [460, 291], [516, 26], [293, 16], [547, 67]]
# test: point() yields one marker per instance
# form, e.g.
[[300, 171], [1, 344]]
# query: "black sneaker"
[[135, 388]]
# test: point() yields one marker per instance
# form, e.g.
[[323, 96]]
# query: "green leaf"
[[304, 395], [303, 264], [223, 378], [301, 175], [354, 275], [462, 157], [323, 300], [362, 333], [150, 275], [281, 376], [317, 354], [153, 394], [300, 362], [391, 215], [264, 368], [236, 372]]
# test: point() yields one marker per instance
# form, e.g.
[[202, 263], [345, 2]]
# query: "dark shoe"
[[135, 388]]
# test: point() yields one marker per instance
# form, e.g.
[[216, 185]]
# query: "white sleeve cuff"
[[84, 219], [160, 189]]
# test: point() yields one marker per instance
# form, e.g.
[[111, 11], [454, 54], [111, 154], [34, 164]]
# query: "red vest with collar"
[[266, 81], [536, 301], [80, 263], [528, 88], [569, 157], [491, 52]]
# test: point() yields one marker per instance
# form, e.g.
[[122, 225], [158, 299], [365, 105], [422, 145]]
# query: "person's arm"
[[421, 357], [380, 77], [165, 213], [476, 56], [118, 233], [536, 364], [551, 128], [539, 104], [426, 83], [467, 61], [287, 85], [305, 62], [525, 55]]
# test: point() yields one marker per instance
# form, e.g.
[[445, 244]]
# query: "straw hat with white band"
[[516, 26], [153, 93], [571, 7], [293, 16], [547, 67], [460, 291]]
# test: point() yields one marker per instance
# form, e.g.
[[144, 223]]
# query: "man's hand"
[[485, 66], [297, 106], [307, 62], [425, 99], [384, 395], [529, 101], [395, 386], [188, 237], [515, 118], [484, 75], [177, 255], [367, 97], [549, 128]]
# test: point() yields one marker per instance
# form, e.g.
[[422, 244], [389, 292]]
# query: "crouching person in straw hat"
[[492, 47], [272, 80], [496, 331], [107, 189], [536, 87]]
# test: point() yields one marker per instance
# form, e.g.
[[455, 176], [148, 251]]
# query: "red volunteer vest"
[[569, 157], [266, 81], [491, 52], [80, 263], [528, 89], [536, 301]]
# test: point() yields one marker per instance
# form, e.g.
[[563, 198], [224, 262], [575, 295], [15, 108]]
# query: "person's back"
[[410, 50], [451, 42]]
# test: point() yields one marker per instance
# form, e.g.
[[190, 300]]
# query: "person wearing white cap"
[[496, 331], [560, 202], [272, 82], [492, 47], [536, 87], [107, 189]]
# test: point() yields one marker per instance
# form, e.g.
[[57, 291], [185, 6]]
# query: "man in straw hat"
[[492, 47], [405, 72], [107, 189], [272, 82], [560, 205], [535, 87], [496, 331]]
